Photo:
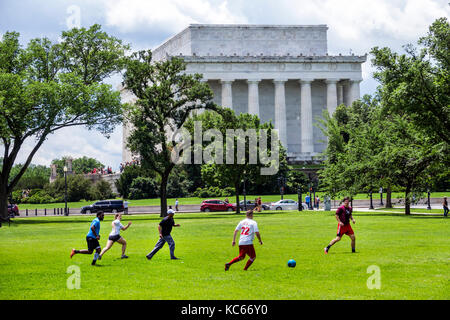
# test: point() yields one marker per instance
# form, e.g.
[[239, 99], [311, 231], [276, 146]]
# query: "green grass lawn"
[[195, 200], [413, 254], [414, 210]]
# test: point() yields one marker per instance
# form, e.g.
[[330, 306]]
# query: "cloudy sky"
[[356, 25]]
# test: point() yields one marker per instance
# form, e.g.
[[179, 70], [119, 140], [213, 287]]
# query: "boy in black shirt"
[[164, 229]]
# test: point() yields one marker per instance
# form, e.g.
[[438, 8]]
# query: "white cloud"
[[169, 15], [76, 142]]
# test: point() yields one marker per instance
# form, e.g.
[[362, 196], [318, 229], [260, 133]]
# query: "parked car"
[[113, 206], [216, 205], [286, 204], [251, 205], [13, 210]]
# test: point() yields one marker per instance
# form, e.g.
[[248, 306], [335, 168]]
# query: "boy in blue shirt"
[[92, 239]]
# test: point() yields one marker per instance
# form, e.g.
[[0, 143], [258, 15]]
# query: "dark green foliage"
[[79, 165], [143, 188], [130, 173]]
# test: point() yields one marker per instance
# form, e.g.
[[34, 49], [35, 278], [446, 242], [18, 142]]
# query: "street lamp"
[[299, 190], [429, 204], [371, 203], [65, 193], [244, 191], [281, 183], [381, 196]]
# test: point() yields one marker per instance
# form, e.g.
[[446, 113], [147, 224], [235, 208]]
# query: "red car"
[[13, 210], [216, 205]]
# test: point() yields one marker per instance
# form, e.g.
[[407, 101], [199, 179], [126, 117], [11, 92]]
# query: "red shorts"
[[247, 249], [346, 229]]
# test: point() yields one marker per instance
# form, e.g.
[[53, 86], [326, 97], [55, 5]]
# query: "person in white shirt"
[[115, 236], [176, 204], [248, 228]]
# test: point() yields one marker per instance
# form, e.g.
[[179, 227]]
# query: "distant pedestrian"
[[445, 206], [125, 207], [307, 200], [164, 229], [176, 204]]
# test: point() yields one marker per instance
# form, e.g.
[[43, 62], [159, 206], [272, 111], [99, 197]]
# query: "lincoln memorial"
[[282, 73]]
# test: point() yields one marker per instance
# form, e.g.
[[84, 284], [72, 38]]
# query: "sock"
[[234, 260], [96, 256], [249, 263], [328, 247], [353, 249]]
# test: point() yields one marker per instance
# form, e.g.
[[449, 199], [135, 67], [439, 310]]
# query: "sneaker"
[[175, 258], [124, 256], [72, 253], [227, 267], [99, 257], [325, 250], [93, 262], [148, 257]]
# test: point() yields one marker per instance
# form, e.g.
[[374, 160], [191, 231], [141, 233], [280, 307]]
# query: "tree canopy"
[[48, 86]]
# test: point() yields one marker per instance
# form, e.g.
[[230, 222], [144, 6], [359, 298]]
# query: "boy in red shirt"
[[343, 217]]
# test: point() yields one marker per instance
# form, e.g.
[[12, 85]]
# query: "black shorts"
[[115, 238], [92, 243]]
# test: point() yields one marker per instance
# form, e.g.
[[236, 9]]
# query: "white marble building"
[[282, 73]]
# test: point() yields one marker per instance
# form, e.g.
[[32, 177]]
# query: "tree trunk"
[[3, 203], [238, 207], [407, 200], [163, 195], [4, 192], [388, 198]]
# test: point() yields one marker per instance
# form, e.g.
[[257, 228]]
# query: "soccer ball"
[[292, 263]]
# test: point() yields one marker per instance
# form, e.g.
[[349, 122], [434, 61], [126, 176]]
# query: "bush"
[[101, 190], [215, 192], [143, 188], [78, 188]]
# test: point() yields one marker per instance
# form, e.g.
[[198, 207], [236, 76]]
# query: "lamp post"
[[245, 194], [381, 196], [65, 192], [371, 202], [429, 203], [299, 190]]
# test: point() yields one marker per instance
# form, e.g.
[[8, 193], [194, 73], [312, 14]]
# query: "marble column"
[[332, 101], [280, 110], [346, 97], [253, 97], [227, 94], [340, 93], [306, 116], [354, 90]]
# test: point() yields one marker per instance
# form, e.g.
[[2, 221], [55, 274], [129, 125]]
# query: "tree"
[[47, 87], [381, 149], [165, 98], [79, 165], [418, 83], [223, 173]]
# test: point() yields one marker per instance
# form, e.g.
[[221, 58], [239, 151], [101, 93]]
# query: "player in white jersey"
[[248, 228], [115, 236]]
